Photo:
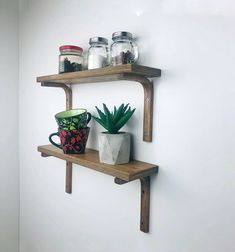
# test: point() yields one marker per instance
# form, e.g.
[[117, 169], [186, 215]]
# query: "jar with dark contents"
[[123, 49], [70, 59]]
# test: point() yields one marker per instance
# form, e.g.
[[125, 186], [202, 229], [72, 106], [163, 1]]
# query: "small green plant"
[[115, 120]]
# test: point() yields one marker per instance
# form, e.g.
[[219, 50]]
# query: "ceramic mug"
[[73, 119], [72, 141]]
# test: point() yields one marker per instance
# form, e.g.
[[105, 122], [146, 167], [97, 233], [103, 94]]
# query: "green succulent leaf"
[[109, 123], [101, 114], [124, 109], [100, 122], [124, 120], [118, 114], [106, 110]]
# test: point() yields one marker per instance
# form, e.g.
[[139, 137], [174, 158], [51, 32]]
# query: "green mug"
[[73, 119]]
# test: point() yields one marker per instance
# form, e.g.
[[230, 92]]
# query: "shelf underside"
[[109, 73], [127, 172]]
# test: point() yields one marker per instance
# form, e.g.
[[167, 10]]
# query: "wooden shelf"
[[129, 72], [123, 174], [110, 73], [127, 172]]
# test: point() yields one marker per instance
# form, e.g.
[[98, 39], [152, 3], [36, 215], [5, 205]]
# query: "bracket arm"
[[68, 94]]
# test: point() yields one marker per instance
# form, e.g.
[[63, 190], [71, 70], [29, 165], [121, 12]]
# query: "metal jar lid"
[[99, 40], [121, 34]]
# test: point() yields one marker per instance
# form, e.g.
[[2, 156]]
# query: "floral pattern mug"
[[72, 141], [73, 119]]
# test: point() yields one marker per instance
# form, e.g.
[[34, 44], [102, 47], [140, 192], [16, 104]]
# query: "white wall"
[[9, 168], [192, 198]]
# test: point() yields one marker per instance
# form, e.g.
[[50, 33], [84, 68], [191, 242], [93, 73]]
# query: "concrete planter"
[[114, 148]]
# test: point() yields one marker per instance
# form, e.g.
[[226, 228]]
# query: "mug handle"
[[52, 142], [88, 117]]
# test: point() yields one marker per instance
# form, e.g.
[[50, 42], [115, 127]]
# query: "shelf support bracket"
[[69, 101], [144, 201], [145, 204], [148, 103]]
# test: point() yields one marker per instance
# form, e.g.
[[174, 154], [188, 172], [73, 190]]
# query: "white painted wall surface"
[[192, 198], [9, 168]]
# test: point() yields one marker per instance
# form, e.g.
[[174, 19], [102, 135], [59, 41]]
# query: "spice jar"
[[97, 53], [123, 49], [70, 59]]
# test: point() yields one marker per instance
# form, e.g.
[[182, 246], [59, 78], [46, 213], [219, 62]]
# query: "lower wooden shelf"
[[127, 172], [123, 173]]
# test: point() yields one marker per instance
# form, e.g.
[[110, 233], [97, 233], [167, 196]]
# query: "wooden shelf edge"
[[127, 172], [101, 74]]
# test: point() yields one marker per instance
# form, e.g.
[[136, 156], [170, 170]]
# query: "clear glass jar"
[[70, 59], [97, 53], [123, 49]]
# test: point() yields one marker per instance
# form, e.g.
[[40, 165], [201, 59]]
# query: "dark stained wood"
[[119, 181], [148, 103], [44, 155], [68, 177], [101, 74], [145, 204], [127, 172]]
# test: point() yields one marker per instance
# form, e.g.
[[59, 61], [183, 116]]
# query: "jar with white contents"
[[98, 53]]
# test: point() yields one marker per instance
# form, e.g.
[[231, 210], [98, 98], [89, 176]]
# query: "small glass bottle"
[[97, 53], [70, 58], [123, 49]]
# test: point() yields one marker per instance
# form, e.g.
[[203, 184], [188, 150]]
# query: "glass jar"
[[70, 58], [97, 53], [123, 49]]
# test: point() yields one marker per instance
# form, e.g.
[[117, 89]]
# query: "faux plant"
[[115, 120]]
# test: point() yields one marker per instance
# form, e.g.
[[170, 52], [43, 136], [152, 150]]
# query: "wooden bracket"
[[145, 201], [69, 101], [148, 103], [120, 181], [67, 90], [145, 204]]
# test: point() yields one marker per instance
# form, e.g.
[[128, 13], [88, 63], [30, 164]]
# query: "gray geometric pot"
[[114, 148]]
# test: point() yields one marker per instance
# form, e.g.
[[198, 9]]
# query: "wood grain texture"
[[119, 181], [68, 177], [109, 73], [148, 103], [127, 172], [145, 204]]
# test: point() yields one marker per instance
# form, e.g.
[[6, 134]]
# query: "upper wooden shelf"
[[109, 73], [129, 72], [127, 172]]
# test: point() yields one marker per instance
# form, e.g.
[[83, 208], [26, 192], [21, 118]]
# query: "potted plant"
[[114, 146]]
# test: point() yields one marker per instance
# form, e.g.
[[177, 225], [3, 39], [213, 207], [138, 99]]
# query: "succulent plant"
[[115, 120]]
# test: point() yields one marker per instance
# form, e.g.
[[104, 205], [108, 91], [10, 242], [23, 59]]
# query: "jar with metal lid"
[[70, 58], [123, 50], [97, 53]]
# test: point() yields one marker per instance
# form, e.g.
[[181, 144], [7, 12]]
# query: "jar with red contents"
[[70, 58]]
